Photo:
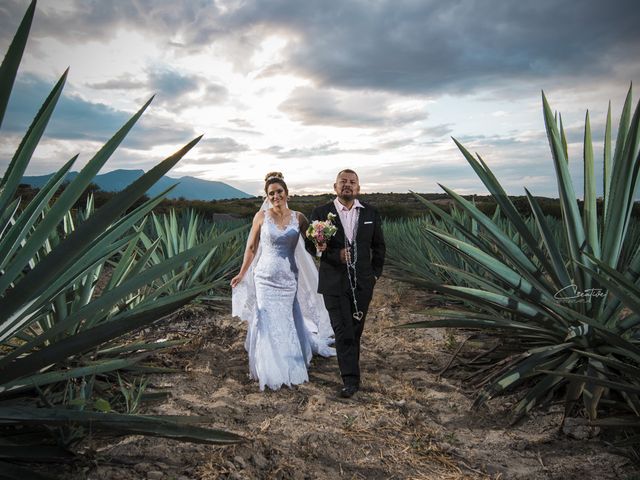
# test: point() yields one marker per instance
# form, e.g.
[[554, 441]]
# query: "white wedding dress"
[[287, 320]]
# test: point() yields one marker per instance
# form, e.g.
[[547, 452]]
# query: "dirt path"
[[405, 423]]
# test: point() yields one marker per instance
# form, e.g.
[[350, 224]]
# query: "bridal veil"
[[315, 315]]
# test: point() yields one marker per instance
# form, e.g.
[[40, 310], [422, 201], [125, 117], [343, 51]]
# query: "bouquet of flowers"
[[321, 231]]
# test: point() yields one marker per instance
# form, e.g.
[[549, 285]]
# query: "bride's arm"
[[304, 224], [252, 247]]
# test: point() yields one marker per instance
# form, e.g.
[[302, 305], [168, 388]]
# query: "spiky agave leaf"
[[568, 289], [180, 428], [42, 353]]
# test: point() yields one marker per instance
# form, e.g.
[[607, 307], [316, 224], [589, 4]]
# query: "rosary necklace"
[[351, 266]]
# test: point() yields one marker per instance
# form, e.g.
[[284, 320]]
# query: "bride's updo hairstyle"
[[275, 177]]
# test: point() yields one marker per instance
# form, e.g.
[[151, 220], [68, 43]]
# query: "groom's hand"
[[344, 255]]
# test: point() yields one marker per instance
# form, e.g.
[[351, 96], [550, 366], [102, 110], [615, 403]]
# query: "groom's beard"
[[347, 195]]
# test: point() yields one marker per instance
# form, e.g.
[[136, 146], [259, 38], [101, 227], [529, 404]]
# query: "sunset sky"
[[308, 87]]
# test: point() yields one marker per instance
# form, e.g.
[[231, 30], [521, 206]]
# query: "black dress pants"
[[348, 331]]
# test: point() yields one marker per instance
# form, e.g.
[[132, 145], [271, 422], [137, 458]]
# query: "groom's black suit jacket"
[[371, 249]]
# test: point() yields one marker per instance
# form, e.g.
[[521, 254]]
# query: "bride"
[[276, 293]]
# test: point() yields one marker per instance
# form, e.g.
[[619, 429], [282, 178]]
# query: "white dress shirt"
[[349, 217]]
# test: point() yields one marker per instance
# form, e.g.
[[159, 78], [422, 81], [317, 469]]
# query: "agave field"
[[76, 283], [66, 364], [565, 293]]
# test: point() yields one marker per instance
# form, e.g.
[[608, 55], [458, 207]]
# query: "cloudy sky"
[[311, 87]]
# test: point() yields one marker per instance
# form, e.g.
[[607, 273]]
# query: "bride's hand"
[[236, 280]]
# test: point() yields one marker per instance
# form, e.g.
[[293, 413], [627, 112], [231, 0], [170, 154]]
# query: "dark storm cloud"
[[77, 119], [97, 19], [434, 47], [401, 46]]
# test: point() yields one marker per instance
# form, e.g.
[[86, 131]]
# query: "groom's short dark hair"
[[346, 170]]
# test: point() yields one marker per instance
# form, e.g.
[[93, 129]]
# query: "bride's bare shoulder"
[[258, 218], [302, 221], [300, 216]]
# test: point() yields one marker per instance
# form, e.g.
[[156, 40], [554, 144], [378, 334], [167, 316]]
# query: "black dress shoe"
[[348, 391]]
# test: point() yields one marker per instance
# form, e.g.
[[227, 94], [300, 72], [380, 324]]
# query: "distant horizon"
[[487, 194], [186, 186], [302, 87], [292, 189]]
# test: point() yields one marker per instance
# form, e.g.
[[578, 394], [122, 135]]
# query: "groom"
[[350, 265]]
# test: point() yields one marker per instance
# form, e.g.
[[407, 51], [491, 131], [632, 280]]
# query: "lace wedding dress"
[[277, 297]]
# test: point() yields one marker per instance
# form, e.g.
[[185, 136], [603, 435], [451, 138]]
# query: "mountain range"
[[190, 188]]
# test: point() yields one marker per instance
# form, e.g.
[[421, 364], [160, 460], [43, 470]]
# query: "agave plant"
[[405, 237], [175, 234], [576, 336], [59, 340]]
